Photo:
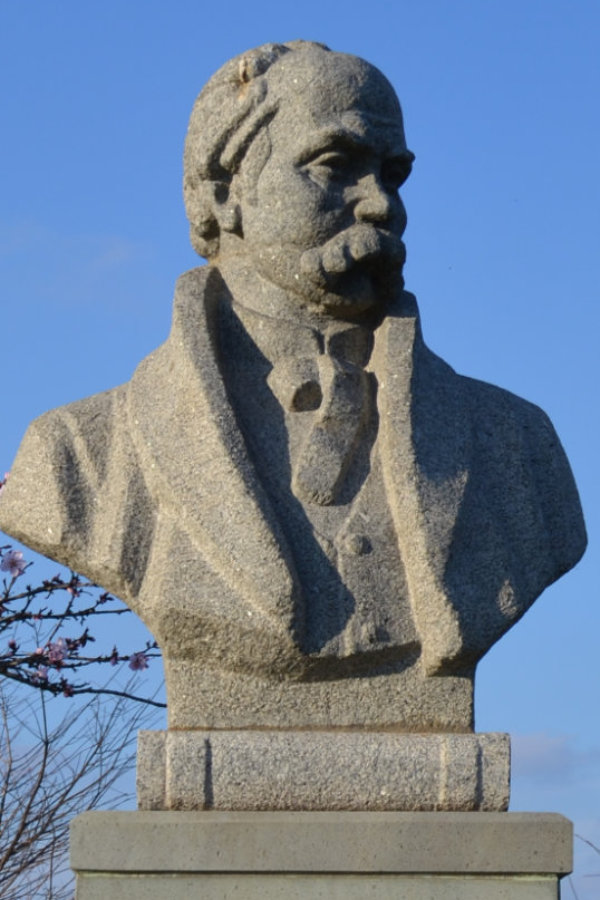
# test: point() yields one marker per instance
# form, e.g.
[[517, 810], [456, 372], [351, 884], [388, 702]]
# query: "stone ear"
[[227, 210]]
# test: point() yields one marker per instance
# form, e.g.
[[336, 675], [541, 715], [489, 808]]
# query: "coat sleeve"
[[50, 498], [520, 526], [558, 497]]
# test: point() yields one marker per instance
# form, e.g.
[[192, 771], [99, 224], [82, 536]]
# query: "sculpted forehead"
[[322, 89]]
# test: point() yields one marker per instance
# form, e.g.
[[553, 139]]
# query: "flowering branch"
[[55, 766], [36, 652]]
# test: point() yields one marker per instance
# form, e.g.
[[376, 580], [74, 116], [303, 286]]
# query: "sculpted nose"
[[374, 203]]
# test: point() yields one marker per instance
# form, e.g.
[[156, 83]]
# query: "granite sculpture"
[[324, 526]]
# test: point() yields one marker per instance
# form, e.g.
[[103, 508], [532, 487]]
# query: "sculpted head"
[[293, 161]]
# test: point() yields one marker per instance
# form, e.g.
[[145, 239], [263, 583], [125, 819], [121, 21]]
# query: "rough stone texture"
[[325, 887], [353, 842], [399, 696], [304, 504], [413, 856], [318, 770], [151, 769]]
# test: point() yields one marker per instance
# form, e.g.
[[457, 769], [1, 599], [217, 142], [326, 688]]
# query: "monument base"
[[322, 770], [299, 855]]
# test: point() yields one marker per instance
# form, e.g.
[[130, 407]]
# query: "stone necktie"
[[335, 384]]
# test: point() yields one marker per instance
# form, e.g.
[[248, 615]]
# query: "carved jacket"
[[149, 490]]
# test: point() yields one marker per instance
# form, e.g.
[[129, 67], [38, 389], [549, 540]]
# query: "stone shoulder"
[[518, 435], [61, 464]]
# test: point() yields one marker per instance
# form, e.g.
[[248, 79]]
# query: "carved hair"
[[228, 114]]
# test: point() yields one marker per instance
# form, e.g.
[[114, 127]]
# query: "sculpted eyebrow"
[[343, 139], [331, 140]]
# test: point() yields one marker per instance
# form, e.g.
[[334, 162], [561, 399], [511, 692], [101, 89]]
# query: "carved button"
[[356, 544]]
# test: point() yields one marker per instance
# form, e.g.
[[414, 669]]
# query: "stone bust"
[[305, 504]]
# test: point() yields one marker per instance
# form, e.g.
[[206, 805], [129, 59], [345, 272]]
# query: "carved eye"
[[333, 159], [329, 165]]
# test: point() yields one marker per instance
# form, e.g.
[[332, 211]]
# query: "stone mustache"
[[321, 522]]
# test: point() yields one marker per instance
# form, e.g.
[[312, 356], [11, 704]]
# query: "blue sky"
[[501, 109]]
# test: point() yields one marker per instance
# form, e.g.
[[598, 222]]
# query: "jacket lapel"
[[186, 434], [425, 445]]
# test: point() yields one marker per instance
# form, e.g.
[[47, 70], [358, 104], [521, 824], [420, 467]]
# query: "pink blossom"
[[42, 673], [138, 661], [57, 651], [13, 563]]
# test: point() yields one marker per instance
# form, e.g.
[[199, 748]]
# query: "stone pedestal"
[[299, 855], [322, 770]]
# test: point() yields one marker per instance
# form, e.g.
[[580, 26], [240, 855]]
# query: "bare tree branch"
[[49, 774], [59, 757]]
